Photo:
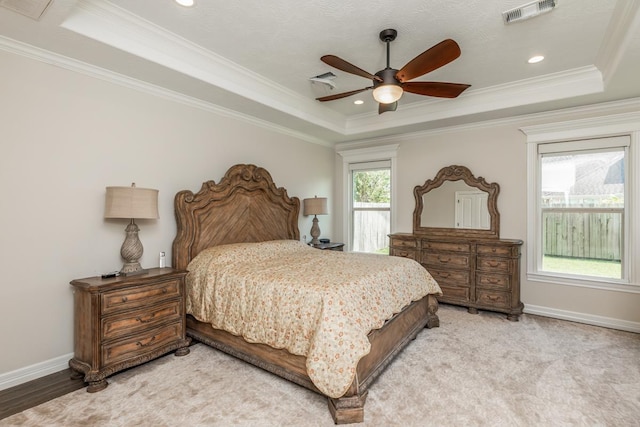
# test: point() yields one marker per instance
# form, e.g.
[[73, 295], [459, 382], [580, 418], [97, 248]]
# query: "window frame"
[[385, 153], [365, 167], [581, 135]]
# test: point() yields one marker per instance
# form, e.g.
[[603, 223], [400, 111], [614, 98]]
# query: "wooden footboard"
[[386, 342]]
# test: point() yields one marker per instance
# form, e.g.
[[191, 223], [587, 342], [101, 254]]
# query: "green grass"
[[583, 267]]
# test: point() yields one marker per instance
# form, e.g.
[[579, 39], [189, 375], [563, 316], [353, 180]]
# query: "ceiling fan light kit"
[[389, 84]]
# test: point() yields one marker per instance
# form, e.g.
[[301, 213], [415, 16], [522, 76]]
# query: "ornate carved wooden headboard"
[[246, 206]]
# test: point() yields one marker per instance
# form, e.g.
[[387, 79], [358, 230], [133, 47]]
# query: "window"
[[368, 177], [370, 206], [582, 210]]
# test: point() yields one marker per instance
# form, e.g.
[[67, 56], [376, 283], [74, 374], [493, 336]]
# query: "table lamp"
[[315, 206], [130, 203]]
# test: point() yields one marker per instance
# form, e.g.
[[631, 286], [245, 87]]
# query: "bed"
[[245, 211]]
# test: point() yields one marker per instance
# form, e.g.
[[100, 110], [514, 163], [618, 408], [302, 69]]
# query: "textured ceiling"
[[256, 57]]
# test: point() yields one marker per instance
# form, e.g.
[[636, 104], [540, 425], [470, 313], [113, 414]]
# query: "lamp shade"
[[315, 206], [131, 202]]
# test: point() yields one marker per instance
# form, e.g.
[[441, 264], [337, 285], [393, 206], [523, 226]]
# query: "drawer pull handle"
[[125, 299], [445, 275], [147, 320], [493, 264], [404, 254], [443, 260], [165, 290], [493, 250], [148, 343], [493, 281]]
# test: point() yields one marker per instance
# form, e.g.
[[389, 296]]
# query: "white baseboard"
[[590, 319], [23, 375]]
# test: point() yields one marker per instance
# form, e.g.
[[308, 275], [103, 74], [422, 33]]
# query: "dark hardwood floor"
[[24, 396]]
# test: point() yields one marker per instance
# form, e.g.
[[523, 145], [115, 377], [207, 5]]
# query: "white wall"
[[64, 137], [498, 153]]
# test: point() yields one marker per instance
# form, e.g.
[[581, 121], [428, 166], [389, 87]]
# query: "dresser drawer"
[[449, 260], [403, 253], [495, 250], [139, 296], [141, 344], [447, 246], [493, 298], [493, 264], [454, 294], [403, 243], [495, 281], [450, 277], [139, 320]]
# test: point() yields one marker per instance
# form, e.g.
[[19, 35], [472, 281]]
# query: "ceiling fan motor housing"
[[388, 76]]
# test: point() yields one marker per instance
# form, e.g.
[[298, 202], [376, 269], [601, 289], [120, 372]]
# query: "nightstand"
[[125, 321], [329, 246]]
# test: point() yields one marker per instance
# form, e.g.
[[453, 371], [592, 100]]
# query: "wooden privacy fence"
[[370, 229], [583, 233]]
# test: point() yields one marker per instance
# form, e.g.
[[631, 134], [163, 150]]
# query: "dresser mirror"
[[457, 204]]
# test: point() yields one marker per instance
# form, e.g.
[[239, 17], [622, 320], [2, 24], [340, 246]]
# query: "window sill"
[[595, 283]]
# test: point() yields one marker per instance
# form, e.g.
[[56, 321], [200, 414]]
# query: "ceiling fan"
[[389, 84]]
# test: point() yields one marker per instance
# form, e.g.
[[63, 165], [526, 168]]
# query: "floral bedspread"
[[314, 303]]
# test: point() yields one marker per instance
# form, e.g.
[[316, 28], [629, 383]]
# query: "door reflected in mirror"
[[456, 203]]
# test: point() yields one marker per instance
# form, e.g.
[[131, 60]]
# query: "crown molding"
[[118, 28], [602, 109], [38, 54], [551, 87], [626, 16]]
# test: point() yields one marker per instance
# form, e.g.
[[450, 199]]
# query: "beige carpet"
[[475, 370]]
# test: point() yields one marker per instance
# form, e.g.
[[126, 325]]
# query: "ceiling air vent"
[[528, 11]]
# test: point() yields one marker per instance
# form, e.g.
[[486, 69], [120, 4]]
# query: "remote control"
[[110, 275]]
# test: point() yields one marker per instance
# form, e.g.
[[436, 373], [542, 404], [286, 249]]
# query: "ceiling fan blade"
[[343, 65], [383, 108], [342, 95], [439, 89], [429, 60]]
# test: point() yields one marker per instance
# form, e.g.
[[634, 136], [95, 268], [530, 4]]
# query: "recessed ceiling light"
[[358, 102], [185, 3], [535, 59]]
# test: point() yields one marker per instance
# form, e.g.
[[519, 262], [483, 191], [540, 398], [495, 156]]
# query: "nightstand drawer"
[[140, 320], [447, 246], [450, 277], [141, 344], [450, 260], [497, 281], [493, 298], [139, 296], [493, 264]]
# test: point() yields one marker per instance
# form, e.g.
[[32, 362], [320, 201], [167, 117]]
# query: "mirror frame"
[[456, 173]]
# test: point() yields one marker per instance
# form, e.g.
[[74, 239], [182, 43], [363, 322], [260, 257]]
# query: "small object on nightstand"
[[126, 321], [110, 275], [329, 246], [325, 241]]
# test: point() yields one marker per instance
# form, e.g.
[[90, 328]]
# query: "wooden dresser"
[[456, 237], [478, 274], [125, 321]]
